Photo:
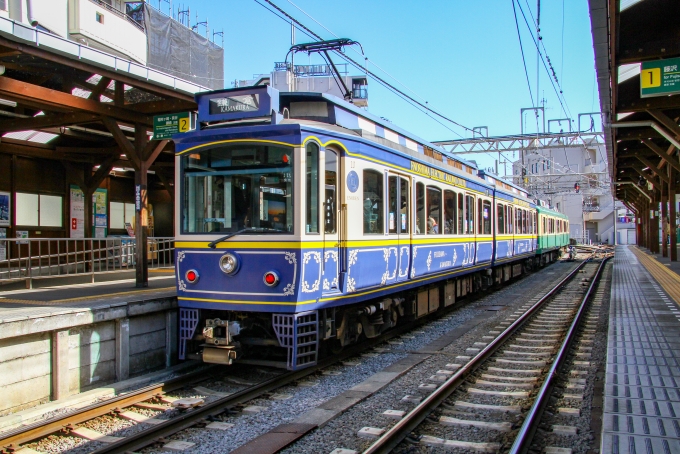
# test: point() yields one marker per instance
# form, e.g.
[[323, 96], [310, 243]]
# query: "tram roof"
[[385, 124]]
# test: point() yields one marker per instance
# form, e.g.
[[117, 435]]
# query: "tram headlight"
[[229, 263]]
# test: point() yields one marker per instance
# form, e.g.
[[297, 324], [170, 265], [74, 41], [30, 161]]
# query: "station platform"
[[642, 386], [66, 339]]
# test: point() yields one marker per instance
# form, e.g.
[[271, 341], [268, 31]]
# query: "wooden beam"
[[153, 149], [647, 176], [121, 139], [119, 94], [653, 168], [18, 91], [661, 153], [667, 122], [97, 91], [629, 98], [45, 121], [92, 68]]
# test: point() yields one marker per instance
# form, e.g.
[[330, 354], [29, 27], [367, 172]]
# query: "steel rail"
[[42, 428], [526, 432], [194, 416], [391, 439]]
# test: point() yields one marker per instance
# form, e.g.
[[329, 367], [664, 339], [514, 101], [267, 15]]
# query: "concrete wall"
[[45, 358]]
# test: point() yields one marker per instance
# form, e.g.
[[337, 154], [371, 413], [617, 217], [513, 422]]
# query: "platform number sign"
[[164, 126], [660, 78]]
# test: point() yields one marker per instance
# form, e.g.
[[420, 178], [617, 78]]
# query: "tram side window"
[[330, 199], [461, 215], [393, 201], [434, 210], [420, 208], [509, 217], [480, 220], [312, 214], [500, 210], [518, 220], [534, 225], [449, 212], [545, 226], [486, 214], [405, 200], [373, 202], [470, 214]]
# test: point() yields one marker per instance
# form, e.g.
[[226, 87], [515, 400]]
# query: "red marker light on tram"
[[192, 276], [271, 278], [286, 159]]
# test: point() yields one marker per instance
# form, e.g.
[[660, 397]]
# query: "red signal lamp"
[[271, 279], [192, 276]]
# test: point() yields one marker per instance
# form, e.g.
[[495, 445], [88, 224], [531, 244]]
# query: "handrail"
[[25, 259]]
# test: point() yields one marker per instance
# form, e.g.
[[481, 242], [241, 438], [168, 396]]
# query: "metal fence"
[[25, 259]]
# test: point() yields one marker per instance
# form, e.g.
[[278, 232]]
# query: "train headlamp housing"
[[229, 264]]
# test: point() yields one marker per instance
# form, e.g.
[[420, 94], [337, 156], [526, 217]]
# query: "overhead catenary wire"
[[373, 75]]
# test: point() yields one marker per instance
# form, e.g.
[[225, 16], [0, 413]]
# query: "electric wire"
[[373, 75], [366, 59]]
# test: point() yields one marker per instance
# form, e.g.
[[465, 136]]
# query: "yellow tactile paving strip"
[[669, 280], [86, 298]]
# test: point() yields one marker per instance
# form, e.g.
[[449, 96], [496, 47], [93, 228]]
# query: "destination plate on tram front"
[[239, 103]]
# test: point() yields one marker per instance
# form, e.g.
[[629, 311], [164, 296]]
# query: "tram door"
[[331, 260], [399, 227]]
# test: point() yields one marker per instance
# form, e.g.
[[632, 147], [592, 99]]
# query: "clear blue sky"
[[461, 56]]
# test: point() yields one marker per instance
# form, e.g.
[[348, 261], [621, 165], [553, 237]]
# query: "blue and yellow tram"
[[305, 224]]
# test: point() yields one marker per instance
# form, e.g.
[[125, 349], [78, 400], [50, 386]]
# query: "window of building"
[[99, 17], [449, 212], [434, 210], [420, 208], [312, 216], [373, 202], [3, 5], [121, 214], [38, 210]]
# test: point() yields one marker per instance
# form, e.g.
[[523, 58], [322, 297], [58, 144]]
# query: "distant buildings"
[[128, 29]]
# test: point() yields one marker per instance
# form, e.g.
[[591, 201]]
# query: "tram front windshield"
[[235, 187]]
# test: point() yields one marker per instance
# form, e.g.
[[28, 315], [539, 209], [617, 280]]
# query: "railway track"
[[494, 402], [152, 431]]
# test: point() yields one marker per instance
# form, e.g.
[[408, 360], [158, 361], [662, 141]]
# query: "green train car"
[[553, 233]]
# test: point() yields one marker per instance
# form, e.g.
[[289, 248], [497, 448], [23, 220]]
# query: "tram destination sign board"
[[660, 78], [164, 126]]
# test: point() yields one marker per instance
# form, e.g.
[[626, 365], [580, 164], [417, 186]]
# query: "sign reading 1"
[[660, 78], [164, 126]]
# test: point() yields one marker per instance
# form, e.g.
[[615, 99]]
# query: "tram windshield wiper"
[[246, 230]]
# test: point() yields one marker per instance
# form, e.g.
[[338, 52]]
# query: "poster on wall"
[[5, 198], [100, 220], [3, 244], [77, 213], [99, 213], [22, 234]]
